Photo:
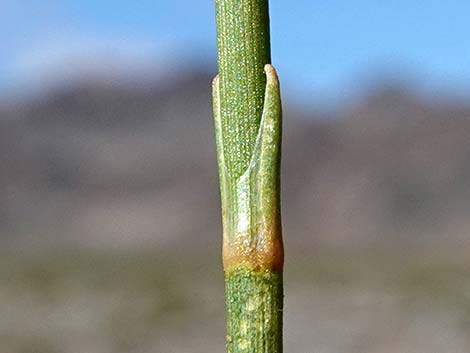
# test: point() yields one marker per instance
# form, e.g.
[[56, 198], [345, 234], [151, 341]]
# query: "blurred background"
[[110, 230]]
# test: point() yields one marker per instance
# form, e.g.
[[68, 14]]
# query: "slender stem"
[[244, 49], [247, 111], [254, 303]]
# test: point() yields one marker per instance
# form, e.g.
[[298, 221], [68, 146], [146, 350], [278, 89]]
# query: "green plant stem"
[[243, 50], [247, 111], [254, 318]]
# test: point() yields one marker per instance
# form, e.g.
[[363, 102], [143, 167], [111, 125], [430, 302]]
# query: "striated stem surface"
[[243, 50], [254, 311], [247, 112]]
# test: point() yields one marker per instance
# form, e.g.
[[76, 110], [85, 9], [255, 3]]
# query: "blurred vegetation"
[[110, 232], [144, 301]]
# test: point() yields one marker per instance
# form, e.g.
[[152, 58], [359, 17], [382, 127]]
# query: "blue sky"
[[322, 49]]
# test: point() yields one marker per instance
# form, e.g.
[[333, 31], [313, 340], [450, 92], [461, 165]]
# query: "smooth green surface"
[[243, 50], [254, 311]]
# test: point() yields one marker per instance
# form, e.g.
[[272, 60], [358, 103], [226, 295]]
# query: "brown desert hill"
[[106, 164]]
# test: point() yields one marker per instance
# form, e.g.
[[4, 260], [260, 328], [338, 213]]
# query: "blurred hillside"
[[109, 164], [110, 229]]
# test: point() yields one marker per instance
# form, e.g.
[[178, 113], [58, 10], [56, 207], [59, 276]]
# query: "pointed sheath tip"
[[271, 74], [215, 82]]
